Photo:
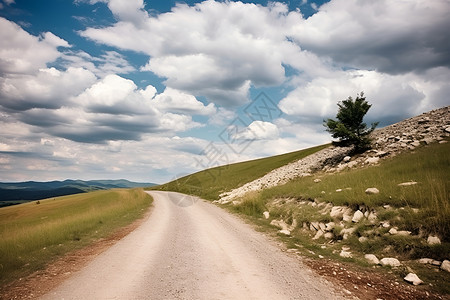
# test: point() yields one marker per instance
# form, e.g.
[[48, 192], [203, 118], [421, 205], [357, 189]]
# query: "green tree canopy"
[[349, 127]]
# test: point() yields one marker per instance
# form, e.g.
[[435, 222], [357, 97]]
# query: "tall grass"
[[33, 234], [210, 183], [429, 166]]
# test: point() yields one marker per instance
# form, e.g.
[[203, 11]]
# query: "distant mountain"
[[18, 192]]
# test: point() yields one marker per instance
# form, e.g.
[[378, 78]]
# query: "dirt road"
[[197, 251]]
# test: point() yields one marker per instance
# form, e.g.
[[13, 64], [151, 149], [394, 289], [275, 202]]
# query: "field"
[[35, 233]]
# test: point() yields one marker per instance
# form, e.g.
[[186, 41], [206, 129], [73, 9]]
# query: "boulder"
[[328, 235], [433, 240], [266, 214], [371, 191], [285, 232], [372, 160], [347, 158], [372, 259], [445, 265], [318, 235], [357, 216], [413, 279], [426, 261], [337, 212], [393, 231], [390, 261], [317, 180]]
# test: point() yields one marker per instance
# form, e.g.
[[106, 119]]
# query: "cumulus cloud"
[[215, 49], [389, 36], [22, 53], [258, 130], [172, 100]]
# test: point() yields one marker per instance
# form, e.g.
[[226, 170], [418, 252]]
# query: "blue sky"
[[151, 90]]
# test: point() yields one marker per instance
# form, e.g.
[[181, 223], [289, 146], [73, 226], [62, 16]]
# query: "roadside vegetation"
[[35, 233], [422, 209], [209, 184]]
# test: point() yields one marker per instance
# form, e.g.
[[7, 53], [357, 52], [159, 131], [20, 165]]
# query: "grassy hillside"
[[33, 234], [209, 184]]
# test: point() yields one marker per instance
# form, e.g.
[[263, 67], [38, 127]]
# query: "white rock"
[[413, 278], [266, 214], [328, 235], [371, 191], [318, 235], [345, 254], [371, 258], [329, 226], [393, 231], [404, 233], [363, 239], [372, 160], [285, 232], [337, 211], [407, 183], [390, 261], [339, 190], [347, 158], [426, 261], [317, 180], [314, 226], [357, 216], [352, 164], [445, 265], [372, 217], [433, 240]]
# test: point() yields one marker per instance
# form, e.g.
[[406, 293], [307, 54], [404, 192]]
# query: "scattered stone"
[[385, 224], [372, 217], [328, 235], [347, 159], [404, 233], [345, 254], [436, 263], [339, 190], [407, 183], [372, 160], [363, 239], [371, 191], [317, 180], [314, 226], [393, 231], [329, 226], [426, 261], [433, 240], [371, 258], [266, 215], [357, 216], [413, 279], [445, 265], [318, 235], [390, 261], [285, 232]]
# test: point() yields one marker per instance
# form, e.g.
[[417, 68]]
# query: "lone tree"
[[349, 127]]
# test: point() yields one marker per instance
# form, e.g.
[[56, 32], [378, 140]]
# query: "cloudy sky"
[[150, 90]]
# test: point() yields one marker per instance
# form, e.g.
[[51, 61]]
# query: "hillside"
[[19, 192], [387, 208]]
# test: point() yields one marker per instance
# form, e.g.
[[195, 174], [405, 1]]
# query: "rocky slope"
[[406, 135]]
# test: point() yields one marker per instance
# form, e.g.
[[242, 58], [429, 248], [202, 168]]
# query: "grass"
[[34, 234], [429, 166], [209, 184]]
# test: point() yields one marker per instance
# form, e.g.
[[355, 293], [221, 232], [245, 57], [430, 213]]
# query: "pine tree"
[[349, 127]]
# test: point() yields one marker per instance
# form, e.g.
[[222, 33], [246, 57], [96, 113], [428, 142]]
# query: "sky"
[[153, 90]]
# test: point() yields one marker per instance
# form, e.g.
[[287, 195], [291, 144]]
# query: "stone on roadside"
[[445, 265], [266, 214], [372, 259], [285, 232], [357, 216], [345, 254], [407, 183], [390, 261], [371, 191], [413, 279], [433, 240]]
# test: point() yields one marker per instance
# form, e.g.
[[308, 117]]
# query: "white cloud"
[[212, 49], [388, 36], [172, 100], [22, 53], [258, 130]]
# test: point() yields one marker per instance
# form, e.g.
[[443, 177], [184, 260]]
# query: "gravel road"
[[197, 251]]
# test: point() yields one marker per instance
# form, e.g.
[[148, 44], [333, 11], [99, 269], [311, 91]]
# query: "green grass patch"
[[209, 184], [34, 234], [429, 166]]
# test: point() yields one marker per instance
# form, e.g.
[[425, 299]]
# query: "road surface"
[[197, 251]]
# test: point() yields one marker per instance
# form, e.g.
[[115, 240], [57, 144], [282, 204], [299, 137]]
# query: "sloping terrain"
[[19, 192]]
